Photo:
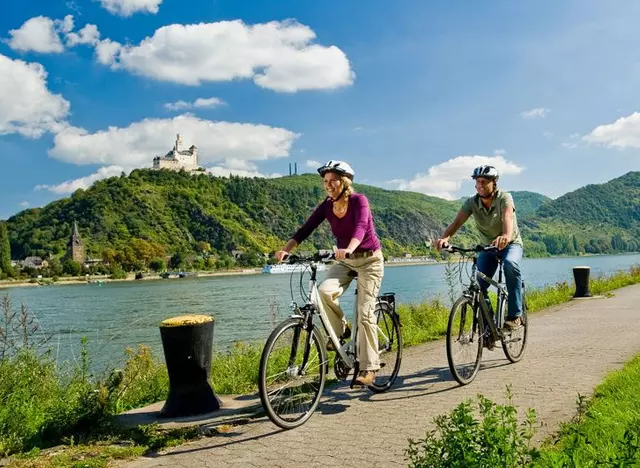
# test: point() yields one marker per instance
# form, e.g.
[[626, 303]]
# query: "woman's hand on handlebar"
[[281, 255], [341, 254]]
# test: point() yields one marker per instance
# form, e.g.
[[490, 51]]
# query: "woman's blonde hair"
[[347, 185]]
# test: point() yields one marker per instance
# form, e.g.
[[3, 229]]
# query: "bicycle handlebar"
[[293, 258], [476, 249]]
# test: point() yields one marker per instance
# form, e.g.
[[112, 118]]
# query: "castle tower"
[[75, 247]]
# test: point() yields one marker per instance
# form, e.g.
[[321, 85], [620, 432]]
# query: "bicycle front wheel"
[[464, 340], [293, 369], [515, 341], [389, 346]]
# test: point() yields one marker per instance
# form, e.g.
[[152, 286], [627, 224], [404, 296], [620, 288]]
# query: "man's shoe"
[[366, 378], [512, 324]]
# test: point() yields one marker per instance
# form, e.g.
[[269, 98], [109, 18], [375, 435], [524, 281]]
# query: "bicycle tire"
[[294, 324], [391, 330], [513, 356], [464, 378]]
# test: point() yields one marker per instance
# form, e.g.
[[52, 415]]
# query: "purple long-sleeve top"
[[357, 222]]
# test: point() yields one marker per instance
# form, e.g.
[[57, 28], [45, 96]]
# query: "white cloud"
[[500, 152], [26, 104], [547, 134], [537, 113], [137, 144], [623, 133], [238, 167], [87, 35], [129, 7], [313, 163], [24, 204], [38, 34], [44, 35], [276, 55], [107, 50], [445, 179], [71, 186], [198, 104], [66, 25]]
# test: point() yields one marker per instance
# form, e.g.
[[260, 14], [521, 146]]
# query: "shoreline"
[[6, 284], [130, 277]]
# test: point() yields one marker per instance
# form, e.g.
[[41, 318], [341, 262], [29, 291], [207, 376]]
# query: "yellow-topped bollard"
[[187, 342]]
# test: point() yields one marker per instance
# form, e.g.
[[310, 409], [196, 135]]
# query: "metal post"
[[581, 277]]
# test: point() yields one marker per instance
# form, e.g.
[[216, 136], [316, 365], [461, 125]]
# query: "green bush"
[[118, 273], [462, 440]]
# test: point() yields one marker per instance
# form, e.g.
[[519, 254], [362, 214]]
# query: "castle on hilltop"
[[177, 158]]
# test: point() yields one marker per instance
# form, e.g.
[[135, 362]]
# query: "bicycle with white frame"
[[294, 362]]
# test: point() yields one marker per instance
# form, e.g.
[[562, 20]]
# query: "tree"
[[204, 248], [157, 264], [5, 251], [177, 260], [55, 268], [71, 267], [109, 255]]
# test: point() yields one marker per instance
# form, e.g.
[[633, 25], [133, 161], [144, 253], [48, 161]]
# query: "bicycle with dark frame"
[[473, 325]]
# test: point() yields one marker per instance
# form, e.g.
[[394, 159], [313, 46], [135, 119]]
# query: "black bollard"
[[581, 277], [187, 341]]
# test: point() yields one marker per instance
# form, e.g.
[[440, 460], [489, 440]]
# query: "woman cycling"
[[358, 249]]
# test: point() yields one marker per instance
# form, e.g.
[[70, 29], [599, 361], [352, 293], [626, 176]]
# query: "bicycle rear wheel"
[[464, 340], [389, 346], [293, 369], [515, 341]]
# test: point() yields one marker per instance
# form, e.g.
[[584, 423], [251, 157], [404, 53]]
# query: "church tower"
[[75, 247]]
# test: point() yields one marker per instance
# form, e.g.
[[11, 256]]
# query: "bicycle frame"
[[475, 293], [313, 306]]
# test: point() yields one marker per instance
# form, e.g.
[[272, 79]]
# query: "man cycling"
[[493, 211]]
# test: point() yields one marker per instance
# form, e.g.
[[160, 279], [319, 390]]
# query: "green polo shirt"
[[489, 221]]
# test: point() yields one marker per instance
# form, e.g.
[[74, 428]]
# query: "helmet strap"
[[340, 196]]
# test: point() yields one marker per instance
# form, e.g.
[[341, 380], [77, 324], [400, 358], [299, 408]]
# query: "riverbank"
[[130, 277], [422, 390]]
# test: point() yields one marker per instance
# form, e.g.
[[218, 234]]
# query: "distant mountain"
[[131, 220], [595, 218], [527, 203], [151, 212]]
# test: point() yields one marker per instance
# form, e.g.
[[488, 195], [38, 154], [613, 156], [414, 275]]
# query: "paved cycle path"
[[571, 348]]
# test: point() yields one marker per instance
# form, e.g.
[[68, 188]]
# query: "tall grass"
[[43, 404], [606, 431]]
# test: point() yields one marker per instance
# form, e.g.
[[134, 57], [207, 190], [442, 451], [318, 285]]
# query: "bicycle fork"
[[308, 327]]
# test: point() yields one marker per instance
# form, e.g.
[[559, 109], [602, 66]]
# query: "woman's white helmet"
[[339, 167], [490, 172]]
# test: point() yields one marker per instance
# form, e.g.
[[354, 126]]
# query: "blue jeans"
[[511, 257]]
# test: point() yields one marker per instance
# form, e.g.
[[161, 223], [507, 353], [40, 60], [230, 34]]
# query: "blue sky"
[[413, 94]]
